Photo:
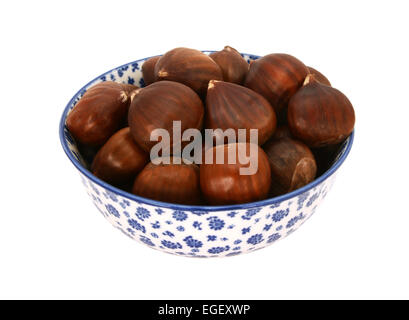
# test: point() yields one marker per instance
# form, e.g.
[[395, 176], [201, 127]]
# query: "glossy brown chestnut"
[[229, 105], [157, 106], [190, 67], [320, 115], [222, 184], [282, 132], [292, 165], [276, 77], [120, 159], [319, 76], [99, 113], [175, 183], [148, 70], [234, 67]]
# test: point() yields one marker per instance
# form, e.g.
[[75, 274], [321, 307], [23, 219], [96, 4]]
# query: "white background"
[[54, 243]]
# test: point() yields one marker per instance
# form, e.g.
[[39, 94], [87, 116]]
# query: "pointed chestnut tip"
[[310, 78], [228, 48], [123, 96], [212, 83]]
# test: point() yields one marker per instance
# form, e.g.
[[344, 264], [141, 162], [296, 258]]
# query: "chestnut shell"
[[99, 113], [276, 77], [158, 105], [222, 184], [148, 70], [188, 66], [120, 159], [234, 67], [292, 165], [229, 105], [319, 76], [175, 183], [320, 115]]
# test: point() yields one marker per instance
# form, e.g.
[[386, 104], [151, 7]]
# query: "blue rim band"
[[174, 206]]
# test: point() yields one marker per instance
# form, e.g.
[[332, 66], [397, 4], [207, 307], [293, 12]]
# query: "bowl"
[[196, 231]]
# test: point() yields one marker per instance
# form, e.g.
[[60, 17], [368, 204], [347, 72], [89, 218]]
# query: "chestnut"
[[320, 115], [99, 113], [169, 181], [119, 159], [157, 106], [188, 66], [229, 105], [292, 165], [234, 67], [276, 77], [224, 182], [148, 70], [319, 76]]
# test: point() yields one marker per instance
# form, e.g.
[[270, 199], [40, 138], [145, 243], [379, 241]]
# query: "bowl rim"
[[182, 207]]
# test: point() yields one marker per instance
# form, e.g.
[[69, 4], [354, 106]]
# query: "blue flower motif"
[[142, 83], [312, 199], [197, 225], [131, 231], [211, 238], [256, 220], [111, 209], [250, 212], [134, 224], [230, 226], [147, 241], [112, 196], [215, 223], [168, 222], [279, 228], [135, 66], [236, 248], [179, 215], [280, 214], [255, 239], [180, 228], [112, 77], [171, 245], [120, 73], [294, 220], [216, 250], [301, 199], [273, 237], [237, 241], [126, 214], [142, 213], [94, 188], [275, 205], [200, 212], [245, 230], [131, 80], [232, 214], [224, 239], [159, 211], [156, 225], [195, 250], [193, 243], [153, 234], [103, 78], [267, 227], [168, 233]]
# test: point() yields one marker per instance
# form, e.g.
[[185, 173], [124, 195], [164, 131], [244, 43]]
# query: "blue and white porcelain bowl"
[[196, 231]]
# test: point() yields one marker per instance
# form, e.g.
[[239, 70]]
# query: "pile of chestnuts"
[[301, 121]]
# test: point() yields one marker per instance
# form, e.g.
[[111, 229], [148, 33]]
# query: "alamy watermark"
[[187, 147]]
